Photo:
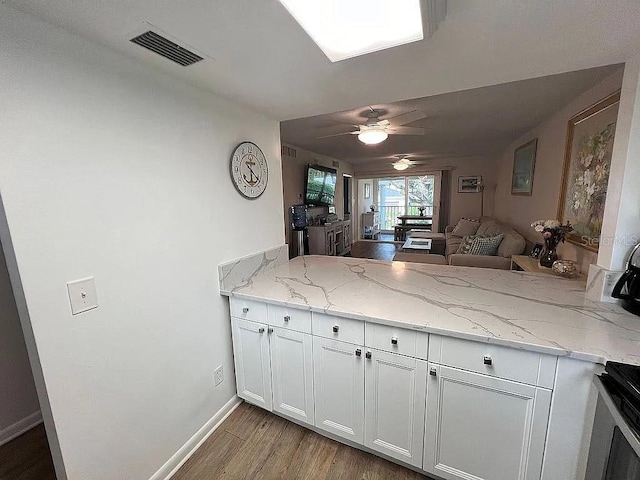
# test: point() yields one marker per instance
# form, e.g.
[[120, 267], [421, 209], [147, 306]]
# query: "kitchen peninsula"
[[405, 360]]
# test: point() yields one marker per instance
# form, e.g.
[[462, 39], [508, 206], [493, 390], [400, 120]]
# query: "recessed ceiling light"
[[344, 29]]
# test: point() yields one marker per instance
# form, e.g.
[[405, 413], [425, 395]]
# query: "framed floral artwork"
[[585, 177], [524, 162]]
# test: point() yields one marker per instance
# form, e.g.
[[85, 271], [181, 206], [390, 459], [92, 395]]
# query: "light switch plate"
[[82, 295]]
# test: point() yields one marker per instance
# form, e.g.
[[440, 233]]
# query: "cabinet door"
[[251, 358], [395, 396], [338, 376], [481, 427], [292, 373], [331, 242]]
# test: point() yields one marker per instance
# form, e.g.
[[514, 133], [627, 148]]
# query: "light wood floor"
[[27, 457], [254, 444]]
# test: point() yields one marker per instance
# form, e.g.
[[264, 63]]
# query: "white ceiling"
[[264, 60], [477, 122]]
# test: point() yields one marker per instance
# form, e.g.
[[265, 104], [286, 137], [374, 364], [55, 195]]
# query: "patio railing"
[[389, 214]]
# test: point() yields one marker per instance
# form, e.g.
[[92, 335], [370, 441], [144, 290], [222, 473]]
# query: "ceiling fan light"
[[401, 166], [373, 136]]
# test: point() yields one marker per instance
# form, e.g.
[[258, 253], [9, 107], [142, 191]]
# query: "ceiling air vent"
[[168, 49], [288, 151]]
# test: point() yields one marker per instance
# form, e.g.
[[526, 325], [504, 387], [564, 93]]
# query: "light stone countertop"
[[530, 311]]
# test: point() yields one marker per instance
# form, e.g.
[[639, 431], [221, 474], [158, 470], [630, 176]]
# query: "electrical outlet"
[[218, 375]]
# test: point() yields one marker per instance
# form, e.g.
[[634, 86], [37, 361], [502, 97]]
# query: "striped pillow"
[[485, 245], [465, 246]]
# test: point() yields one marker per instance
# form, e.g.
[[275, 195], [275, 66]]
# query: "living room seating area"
[[483, 242]]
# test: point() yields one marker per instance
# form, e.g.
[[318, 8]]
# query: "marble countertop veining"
[[531, 311]]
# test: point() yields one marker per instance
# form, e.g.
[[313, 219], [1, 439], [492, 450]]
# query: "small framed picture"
[[469, 184], [536, 251], [367, 190]]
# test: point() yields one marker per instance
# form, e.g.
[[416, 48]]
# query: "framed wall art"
[[367, 190], [524, 162], [587, 162], [469, 183]]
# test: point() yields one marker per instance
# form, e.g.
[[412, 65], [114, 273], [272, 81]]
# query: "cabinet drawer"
[[512, 364], [291, 318], [338, 328], [391, 339], [248, 309]]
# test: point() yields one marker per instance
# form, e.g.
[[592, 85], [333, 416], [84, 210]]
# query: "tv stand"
[[330, 239]]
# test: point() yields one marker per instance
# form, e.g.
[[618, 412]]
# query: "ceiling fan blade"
[[405, 118], [406, 131], [339, 134]]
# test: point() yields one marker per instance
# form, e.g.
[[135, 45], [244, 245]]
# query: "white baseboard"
[[184, 453], [21, 426]]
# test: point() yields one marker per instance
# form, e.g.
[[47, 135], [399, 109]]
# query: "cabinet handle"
[[394, 340], [245, 310], [287, 318], [261, 330], [269, 330], [368, 354], [358, 352], [335, 328], [433, 372], [487, 360]]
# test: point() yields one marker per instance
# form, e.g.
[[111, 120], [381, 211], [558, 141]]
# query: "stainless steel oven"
[[614, 453]]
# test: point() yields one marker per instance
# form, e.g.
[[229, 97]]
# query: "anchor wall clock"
[[249, 170]]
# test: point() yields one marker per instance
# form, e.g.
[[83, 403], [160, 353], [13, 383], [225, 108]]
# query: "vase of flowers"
[[553, 232]]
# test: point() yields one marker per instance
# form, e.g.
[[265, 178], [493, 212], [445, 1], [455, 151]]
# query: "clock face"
[[249, 170]]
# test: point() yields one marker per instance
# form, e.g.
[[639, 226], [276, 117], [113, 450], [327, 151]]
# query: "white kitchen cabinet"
[[292, 373], [253, 365], [395, 396], [483, 427], [338, 374], [274, 368]]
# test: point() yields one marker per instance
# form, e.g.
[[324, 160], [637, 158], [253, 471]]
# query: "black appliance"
[[614, 453], [628, 287]]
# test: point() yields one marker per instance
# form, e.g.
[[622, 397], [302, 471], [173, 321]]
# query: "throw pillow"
[[465, 246], [485, 245], [465, 227]]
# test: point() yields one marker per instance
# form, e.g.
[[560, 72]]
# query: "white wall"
[[520, 211], [18, 399], [112, 170]]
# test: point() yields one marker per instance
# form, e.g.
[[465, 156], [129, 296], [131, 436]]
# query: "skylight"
[[344, 29]]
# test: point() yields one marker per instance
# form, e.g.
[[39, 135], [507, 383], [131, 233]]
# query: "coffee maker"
[[628, 287]]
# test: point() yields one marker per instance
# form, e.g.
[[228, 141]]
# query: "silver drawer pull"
[[261, 330], [368, 354], [287, 318], [358, 352], [394, 340], [487, 360], [245, 310], [269, 330], [433, 372], [335, 328]]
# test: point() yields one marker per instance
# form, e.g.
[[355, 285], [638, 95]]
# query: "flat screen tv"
[[321, 185]]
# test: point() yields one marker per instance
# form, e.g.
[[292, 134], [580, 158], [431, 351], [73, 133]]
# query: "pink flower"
[[547, 235]]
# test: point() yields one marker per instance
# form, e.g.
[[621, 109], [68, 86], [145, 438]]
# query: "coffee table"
[[417, 245]]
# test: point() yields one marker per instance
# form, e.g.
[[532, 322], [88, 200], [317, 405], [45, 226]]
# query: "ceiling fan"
[[376, 130], [403, 162]]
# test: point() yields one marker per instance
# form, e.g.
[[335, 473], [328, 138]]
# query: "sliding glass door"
[[404, 195]]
